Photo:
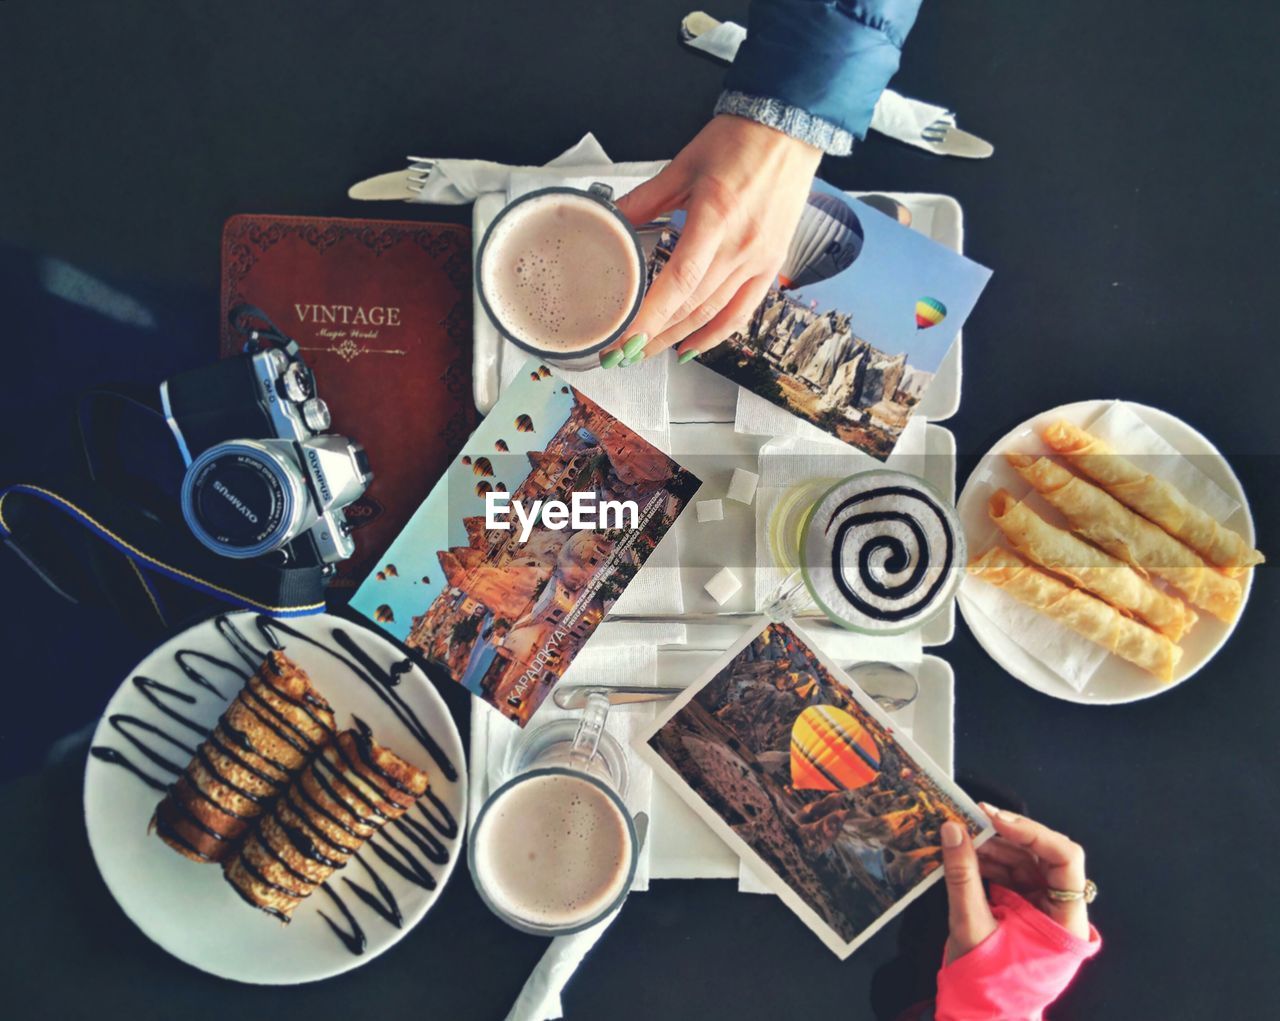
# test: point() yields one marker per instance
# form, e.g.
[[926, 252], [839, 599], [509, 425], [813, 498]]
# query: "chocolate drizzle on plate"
[[418, 843]]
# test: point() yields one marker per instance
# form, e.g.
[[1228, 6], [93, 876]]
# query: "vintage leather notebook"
[[382, 311]]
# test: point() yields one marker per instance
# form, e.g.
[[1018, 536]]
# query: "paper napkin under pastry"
[[618, 653], [1071, 657]]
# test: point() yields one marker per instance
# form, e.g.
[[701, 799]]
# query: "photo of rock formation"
[[510, 616], [849, 854]]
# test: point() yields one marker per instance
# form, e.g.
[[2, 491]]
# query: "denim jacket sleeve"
[[815, 68]]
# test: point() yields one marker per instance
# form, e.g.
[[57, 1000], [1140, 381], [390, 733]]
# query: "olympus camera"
[[263, 475]]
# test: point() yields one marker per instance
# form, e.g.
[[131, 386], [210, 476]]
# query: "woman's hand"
[[1025, 857], [743, 187]]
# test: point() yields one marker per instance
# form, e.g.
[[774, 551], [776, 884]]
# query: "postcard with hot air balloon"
[[862, 315], [810, 783], [504, 611]]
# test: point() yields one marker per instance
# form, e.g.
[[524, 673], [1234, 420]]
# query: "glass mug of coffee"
[[561, 273], [553, 849]]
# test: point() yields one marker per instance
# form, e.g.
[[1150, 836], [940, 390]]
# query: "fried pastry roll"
[[346, 794], [1098, 621], [1106, 522], [1060, 551], [1153, 498], [272, 727]]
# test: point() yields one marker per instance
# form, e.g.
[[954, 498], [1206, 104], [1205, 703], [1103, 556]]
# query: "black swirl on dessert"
[[156, 745], [898, 557]]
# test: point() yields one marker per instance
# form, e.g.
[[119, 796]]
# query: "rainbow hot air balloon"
[[929, 312], [383, 614], [482, 466], [831, 751], [524, 424], [827, 240], [501, 446]]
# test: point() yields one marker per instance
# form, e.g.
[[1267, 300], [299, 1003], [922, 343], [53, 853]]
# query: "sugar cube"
[[742, 487], [710, 510], [723, 586]]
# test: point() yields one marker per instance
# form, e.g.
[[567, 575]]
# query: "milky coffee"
[[553, 850], [560, 272]]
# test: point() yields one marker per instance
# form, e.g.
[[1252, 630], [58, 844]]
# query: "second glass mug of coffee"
[[553, 849], [565, 306]]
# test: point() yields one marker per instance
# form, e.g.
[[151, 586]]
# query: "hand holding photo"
[[810, 783]]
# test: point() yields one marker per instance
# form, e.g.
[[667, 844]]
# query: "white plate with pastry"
[[276, 802], [1111, 552]]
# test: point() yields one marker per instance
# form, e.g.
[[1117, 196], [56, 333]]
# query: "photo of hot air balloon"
[[833, 343], [831, 805], [827, 240], [500, 487], [929, 312], [466, 458], [482, 466], [524, 424], [543, 371], [383, 614], [534, 376], [500, 445], [483, 487], [390, 571]]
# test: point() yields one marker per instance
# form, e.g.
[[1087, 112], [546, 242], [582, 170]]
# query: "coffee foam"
[[553, 851], [560, 272]]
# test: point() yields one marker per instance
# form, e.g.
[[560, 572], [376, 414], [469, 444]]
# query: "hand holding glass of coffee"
[[554, 848], [561, 274]]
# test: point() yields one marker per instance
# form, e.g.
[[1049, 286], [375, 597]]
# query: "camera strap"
[[34, 522]]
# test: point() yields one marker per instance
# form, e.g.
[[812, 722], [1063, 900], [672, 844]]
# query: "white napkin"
[[895, 115], [1068, 655], [614, 656]]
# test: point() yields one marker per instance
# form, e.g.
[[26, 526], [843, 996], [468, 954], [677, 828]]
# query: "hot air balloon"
[[524, 424], [543, 371], [466, 458], [383, 614], [831, 751], [482, 466], [929, 312], [391, 571], [534, 376], [500, 487], [501, 446], [426, 580], [483, 487], [564, 389], [827, 240], [381, 576]]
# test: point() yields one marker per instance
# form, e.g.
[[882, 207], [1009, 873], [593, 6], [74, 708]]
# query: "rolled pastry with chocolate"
[[345, 795], [1106, 522], [1057, 550], [1153, 498], [265, 736], [1086, 615]]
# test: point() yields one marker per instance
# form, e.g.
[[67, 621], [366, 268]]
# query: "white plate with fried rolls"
[[1125, 534], [276, 802]]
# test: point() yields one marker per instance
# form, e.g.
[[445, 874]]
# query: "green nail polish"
[[688, 356], [611, 358], [634, 343], [635, 359]]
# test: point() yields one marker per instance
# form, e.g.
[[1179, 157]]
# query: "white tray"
[[936, 216]]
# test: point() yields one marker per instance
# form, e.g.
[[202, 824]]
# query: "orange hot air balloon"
[[383, 614], [466, 458], [501, 446], [543, 371], [524, 424], [534, 376], [483, 487], [391, 571], [831, 751], [482, 466]]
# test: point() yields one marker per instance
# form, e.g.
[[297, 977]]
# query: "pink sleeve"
[[1017, 971]]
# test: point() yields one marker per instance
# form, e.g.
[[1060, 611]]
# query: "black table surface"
[[1129, 213]]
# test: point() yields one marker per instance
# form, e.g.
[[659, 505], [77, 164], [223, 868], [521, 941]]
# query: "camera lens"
[[242, 499]]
